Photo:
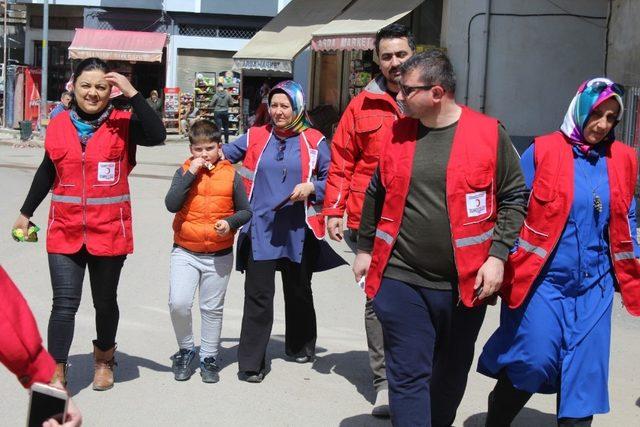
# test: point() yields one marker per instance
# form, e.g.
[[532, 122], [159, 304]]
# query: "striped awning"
[[112, 45]]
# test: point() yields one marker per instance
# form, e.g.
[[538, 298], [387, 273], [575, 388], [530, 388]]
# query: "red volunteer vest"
[[549, 207], [470, 189], [257, 139], [90, 204]]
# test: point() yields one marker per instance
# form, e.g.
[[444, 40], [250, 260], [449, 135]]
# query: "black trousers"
[[67, 275], [221, 118], [257, 318]]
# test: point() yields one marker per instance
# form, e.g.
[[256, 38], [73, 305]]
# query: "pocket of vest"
[[64, 174], [478, 201], [124, 230]]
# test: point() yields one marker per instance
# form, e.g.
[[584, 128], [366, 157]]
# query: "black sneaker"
[[182, 369], [252, 376], [209, 370]]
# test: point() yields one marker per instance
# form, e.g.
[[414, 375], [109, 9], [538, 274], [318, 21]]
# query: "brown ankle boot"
[[60, 373], [104, 362]]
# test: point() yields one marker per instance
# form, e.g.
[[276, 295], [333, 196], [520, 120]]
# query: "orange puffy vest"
[[90, 204], [210, 199], [257, 139], [470, 191], [549, 207]]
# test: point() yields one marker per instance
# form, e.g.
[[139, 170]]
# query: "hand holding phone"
[[46, 402]]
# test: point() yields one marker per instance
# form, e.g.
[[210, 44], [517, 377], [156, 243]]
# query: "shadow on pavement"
[[527, 417], [365, 420], [80, 372], [227, 356], [350, 238], [352, 366]]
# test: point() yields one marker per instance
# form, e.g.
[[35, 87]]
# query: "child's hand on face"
[[222, 227], [196, 165]]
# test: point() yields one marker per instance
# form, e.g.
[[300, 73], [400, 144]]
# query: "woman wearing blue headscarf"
[[578, 244], [284, 167]]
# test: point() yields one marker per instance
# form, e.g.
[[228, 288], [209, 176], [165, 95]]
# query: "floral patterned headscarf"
[[294, 92], [590, 94]]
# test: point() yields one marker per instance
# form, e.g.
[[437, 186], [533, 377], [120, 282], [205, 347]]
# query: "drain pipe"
[[487, 27]]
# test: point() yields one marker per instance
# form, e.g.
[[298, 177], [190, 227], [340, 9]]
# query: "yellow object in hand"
[[32, 233]]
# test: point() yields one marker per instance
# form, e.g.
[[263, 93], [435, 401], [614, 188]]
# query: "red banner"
[[32, 80]]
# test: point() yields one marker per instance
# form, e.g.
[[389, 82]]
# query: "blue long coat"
[[558, 340]]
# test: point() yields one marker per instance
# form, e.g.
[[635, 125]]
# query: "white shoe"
[[381, 407]]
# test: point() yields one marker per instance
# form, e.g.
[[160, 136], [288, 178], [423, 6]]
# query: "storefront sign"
[[263, 64], [112, 55], [363, 42]]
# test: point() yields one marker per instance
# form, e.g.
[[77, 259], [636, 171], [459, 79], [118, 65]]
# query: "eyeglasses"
[[408, 90], [600, 86]]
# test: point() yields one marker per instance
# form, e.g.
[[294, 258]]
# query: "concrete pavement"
[[333, 391]]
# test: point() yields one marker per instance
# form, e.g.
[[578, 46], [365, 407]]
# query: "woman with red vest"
[[89, 154], [284, 167], [578, 245]]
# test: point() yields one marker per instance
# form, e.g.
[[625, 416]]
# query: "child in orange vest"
[[210, 203]]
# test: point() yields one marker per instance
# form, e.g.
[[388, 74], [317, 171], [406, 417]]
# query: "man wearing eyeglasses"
[[440, 216], [354, 156]]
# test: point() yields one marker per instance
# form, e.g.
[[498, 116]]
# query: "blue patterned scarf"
[[86, 128]]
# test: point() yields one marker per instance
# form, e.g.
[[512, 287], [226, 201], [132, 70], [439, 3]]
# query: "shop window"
[[58, 22], [328, 79], [59, 70]]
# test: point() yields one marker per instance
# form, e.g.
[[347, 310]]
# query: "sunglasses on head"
[[408, 90], [600, 86]]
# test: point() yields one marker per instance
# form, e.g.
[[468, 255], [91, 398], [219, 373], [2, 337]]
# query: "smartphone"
[[46, 401]]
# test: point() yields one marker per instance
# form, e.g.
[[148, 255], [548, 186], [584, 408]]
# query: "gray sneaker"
[[209, 370], [182, 369]]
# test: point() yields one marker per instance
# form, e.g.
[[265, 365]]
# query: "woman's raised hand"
[[302, 191], [122, 83]]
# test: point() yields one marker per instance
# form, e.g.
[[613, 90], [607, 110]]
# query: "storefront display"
[[361, 71], [205, 89], [171, 111], [231, 82]]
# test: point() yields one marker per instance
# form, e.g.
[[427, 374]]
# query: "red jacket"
[[20, 344], [470, 191], [257, 139], [90, 204], [355, 150], [549, 207]]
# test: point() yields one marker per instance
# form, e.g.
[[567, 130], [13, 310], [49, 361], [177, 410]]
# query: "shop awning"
[[356, 28], [274, 47], [111, 45]]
